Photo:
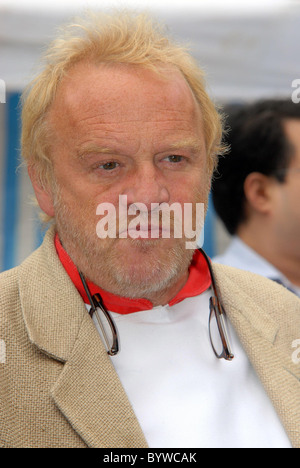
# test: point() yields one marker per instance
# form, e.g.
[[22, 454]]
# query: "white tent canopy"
[[248, 49]]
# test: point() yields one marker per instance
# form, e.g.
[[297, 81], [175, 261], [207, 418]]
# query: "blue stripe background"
[[209, 231], [10, 193]]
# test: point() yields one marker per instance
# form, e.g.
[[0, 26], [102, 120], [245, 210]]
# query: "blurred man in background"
[[256, 191]]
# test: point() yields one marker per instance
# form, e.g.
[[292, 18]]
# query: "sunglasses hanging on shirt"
[[217, 324], [106, 324]]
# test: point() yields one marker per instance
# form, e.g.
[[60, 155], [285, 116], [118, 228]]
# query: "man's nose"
[[147, 185]]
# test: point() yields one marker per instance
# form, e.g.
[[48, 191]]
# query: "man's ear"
[[43, 195], [258, 189]]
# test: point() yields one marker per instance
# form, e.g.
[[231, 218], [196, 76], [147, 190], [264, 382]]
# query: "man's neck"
[[165, 296]]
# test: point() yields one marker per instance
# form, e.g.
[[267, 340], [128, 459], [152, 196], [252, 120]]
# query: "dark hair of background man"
[[257, 143]]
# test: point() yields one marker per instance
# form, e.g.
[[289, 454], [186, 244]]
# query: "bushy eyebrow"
[[193, 144]]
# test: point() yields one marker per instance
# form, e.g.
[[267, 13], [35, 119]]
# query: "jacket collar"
[[238, 301], [52, 309]]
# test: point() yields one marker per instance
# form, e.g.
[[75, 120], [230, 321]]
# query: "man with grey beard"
[[208, 355]]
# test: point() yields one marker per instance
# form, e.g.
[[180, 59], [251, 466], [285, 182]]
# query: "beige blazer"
[[58, 387]]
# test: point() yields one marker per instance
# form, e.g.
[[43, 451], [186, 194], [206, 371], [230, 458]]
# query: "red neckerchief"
[[199, 280]]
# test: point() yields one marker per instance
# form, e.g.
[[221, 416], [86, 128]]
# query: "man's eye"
[[174, 158], [109, 166]]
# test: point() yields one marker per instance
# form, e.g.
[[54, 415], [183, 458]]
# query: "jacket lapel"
[[269, 348], [92, 398], [87, 391]]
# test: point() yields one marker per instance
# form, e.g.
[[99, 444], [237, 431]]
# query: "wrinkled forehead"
[[122, 88]]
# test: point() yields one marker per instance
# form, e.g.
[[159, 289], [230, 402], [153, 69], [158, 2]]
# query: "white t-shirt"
[[182, 395]]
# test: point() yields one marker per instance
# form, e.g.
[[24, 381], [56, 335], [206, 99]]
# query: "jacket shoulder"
[[249, 281], [243, 287]]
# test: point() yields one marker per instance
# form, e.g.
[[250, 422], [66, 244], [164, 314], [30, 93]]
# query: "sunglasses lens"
[[107, 331], [214, 333], [218, 332]]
